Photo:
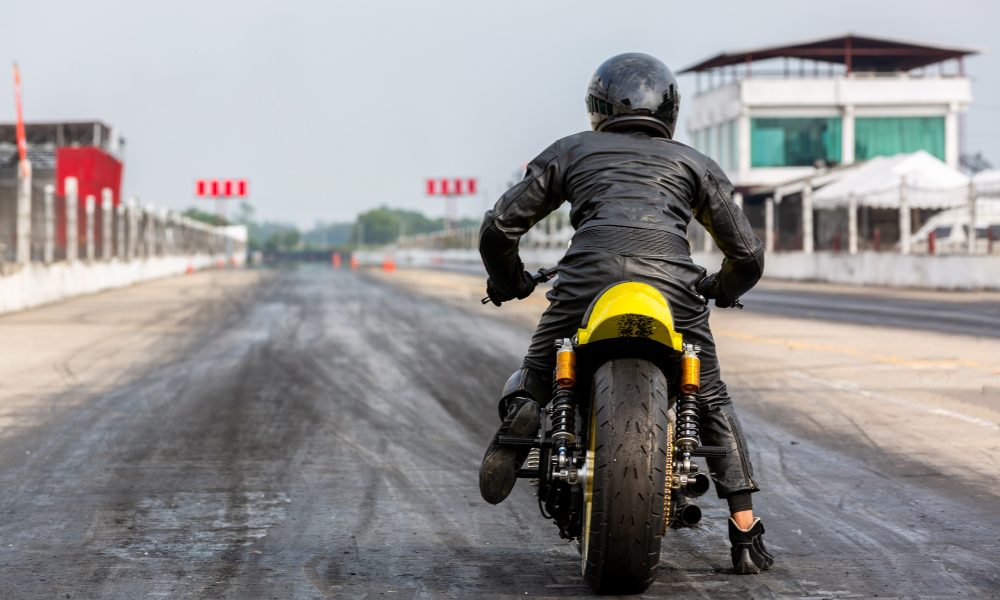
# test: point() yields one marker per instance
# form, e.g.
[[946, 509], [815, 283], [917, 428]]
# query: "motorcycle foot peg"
[[517, 441], [710, 451]]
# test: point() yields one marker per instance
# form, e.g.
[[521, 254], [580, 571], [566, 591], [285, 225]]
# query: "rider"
[[633, 191]]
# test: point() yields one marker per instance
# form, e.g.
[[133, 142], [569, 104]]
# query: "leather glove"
[[521, 290], [710, 288]]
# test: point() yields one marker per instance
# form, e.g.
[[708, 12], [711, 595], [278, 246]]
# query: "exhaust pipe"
[[686, 513], [698, 484]]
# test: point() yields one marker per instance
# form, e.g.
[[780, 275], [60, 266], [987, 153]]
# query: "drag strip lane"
[[974, 317], [323, 441]]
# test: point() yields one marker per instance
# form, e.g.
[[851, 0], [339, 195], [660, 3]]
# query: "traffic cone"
[[389, 263], [336, 260]]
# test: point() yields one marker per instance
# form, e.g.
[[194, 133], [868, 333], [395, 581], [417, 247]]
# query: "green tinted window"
[[794, 142], [886, 136]]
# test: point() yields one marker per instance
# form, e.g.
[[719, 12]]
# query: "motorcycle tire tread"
[[631, 405]]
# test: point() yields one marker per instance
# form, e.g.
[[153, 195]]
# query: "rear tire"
[[624, 522]]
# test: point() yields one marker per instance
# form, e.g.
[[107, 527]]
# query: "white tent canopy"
[[880, 183], [988, 184], [989, 176]]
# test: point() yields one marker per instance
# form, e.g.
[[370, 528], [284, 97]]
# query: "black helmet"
[[634, 91]]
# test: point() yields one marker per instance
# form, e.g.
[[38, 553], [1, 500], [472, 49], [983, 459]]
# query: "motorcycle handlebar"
[[736, 303], [704, 288], [541, 276], [546, 274]]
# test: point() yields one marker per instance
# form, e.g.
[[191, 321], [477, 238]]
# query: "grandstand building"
[[786, 121], [773, 114], [90, 151]]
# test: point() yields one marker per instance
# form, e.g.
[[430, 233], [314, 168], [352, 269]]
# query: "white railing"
[[39, 226]]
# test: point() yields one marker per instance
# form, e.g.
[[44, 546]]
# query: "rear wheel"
[[624, 501]]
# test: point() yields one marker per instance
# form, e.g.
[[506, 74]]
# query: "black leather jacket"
[[624, 179]]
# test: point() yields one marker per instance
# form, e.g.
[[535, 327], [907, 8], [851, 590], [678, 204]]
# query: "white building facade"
[[843, 100]]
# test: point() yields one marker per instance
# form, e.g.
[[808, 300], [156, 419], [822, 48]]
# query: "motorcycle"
[[614, 456]]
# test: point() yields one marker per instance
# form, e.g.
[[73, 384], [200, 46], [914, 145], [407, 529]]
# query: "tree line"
[[375, 227]]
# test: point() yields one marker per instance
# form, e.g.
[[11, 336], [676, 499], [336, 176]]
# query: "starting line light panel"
[[221, 188], [452, 186]]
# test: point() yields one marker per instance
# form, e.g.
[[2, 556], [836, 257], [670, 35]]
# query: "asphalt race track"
[[976, 317], [320, 438]]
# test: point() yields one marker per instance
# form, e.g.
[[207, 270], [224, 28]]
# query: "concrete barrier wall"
[[36, 283], [952, 272], [453, 258], [864, 269]]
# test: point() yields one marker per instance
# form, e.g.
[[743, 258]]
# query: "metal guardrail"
[[36, 225]]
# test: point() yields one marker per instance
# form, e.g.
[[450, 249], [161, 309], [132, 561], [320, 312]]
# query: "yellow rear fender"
[[630, 310]]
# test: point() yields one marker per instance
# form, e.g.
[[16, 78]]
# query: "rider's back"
[[631, 194], [630, 179]]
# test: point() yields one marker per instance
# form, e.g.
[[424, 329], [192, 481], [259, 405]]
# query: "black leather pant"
[[584, 273]]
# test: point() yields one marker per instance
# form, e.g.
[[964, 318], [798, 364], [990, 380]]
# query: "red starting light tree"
[[221, 188], [451, 188]]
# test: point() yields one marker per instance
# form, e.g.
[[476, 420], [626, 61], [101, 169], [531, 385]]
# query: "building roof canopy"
[[56, 133], [856, 53]]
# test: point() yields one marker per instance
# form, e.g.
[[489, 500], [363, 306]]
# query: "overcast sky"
[[331, 108]]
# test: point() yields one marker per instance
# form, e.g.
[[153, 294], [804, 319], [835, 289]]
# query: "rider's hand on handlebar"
[[521, 291], [709, 288]]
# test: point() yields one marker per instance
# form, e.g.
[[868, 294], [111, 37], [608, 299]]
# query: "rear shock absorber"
[[563, 409], [688, 412], [688, 436]]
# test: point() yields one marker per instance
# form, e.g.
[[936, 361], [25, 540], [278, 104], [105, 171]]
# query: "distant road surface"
[[306, 433], [950, 312], [969, 313]]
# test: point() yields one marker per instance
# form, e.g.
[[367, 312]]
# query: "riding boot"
[[498, 472], [748, 552]]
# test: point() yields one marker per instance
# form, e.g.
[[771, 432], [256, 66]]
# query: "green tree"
[[244, 213], [328, 235], [283, 240], [204, 216], [384, 225]]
